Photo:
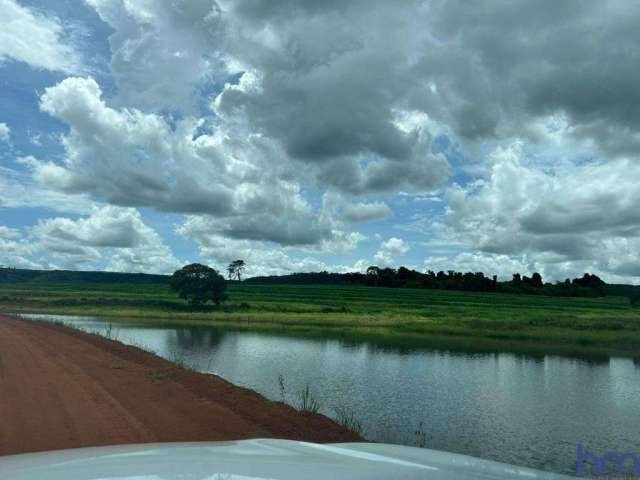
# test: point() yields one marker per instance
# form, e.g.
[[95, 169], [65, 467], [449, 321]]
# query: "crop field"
[[406, 316]]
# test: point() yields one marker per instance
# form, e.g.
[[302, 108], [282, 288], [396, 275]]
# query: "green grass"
[[447, 319]]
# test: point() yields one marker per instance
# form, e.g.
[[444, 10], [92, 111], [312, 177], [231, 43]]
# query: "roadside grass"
[[485, 321], [348, 420], [306, 402]]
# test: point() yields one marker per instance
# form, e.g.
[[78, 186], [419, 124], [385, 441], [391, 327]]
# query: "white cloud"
[[241, 114], [117, 236], [5, 133], [339, 103], [395, 246], [154, 258], [347, 76], [390, 249], [264, 258], [37, 39], [572, 218], [490, 264], [19, 190], [106, 227], [240, 183], [14, 251], [261, 259], [163, 52]]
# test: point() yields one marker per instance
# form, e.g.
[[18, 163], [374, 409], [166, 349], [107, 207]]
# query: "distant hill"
[[18, 275]]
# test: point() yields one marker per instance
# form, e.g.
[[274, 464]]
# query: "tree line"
[[586, 286], [200, 284]]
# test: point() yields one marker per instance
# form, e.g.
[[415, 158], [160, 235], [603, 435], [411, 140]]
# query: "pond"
[[519, 409]]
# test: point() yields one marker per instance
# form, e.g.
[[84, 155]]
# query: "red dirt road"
[[61, 388]]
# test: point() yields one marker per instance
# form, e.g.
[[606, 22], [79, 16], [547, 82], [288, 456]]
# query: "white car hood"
[[256, 459]]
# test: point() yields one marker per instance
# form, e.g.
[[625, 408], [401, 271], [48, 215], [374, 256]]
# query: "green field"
[[449, 319]]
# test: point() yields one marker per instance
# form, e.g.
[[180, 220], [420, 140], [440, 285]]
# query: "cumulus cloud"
[[242, 114], [107, 227], [18, 189], [504, 266], [261, 260], [126, 157], [219, 251], [366, 212], [332, 76], [5, 133], [163, 53], [333, 90], [330, 80], [390, 249], [117, 234], [14, 250], [571, 218], [38, 39], [110, 237], [335, 102], [264, 258]]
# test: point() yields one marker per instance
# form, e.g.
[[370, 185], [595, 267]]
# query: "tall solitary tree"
[[236, 269], [199, 284]]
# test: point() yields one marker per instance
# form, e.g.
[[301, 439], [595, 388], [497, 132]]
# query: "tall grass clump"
[[307, 402]]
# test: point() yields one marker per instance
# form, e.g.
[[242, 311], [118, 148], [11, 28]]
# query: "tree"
[[592, 282], [536, 280], [373, 270], [386, 277], [404, 274], [373, 273], [198, 284], [236, 269]]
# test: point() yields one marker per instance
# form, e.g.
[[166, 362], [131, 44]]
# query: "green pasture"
[[498, 321]]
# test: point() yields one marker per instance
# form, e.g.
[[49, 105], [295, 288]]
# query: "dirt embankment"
[[61, 388]]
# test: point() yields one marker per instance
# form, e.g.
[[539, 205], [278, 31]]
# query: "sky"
[[307, 135]]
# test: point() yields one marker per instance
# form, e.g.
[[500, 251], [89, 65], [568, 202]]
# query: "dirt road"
[[61, 388]]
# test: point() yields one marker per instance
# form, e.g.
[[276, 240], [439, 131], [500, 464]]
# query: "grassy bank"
[[445, 318]]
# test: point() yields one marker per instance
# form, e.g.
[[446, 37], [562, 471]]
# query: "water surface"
[[518, 409]]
